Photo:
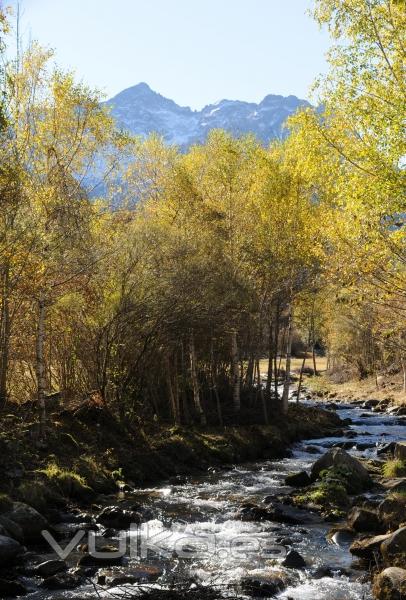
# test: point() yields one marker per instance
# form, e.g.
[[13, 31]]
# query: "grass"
[[394, 468], [67, 482], [296, 363]]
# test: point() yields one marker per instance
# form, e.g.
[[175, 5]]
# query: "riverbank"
[[88, 452], [390, 388]]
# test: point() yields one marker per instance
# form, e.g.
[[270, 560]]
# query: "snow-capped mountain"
[[142, 111]]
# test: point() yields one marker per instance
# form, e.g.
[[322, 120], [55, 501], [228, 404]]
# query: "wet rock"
[[178, 480], [312, 449], [300, 479], [338, 458], [9, 550], [395, 486], [50, 567], [29, 520], [118, 518], [344, 445], [400, 450], [368, 548], [12, 529], [12, 589], [350, 434], [390, 584], [109, 532], [142, 573], [259, 588], [392, 511], [363, 520], [293, 560], [371, 403], [326, 571], [110, 557], [62, 581], [393, 548], [251, 512], [365, 445], [284, 541]]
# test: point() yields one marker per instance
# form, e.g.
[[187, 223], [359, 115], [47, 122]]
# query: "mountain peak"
[[142, 111]]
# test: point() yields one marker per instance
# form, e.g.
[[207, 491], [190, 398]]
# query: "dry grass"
[[296, 364]]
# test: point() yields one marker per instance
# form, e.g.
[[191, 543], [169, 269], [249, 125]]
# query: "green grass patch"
[[394, 468], [67, 482]]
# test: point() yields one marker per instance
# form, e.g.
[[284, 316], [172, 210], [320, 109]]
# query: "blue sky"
[[193, 51]]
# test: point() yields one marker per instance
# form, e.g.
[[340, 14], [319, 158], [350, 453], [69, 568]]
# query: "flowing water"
[[195, 529]]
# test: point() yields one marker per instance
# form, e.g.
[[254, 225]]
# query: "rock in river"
[[363, 520], [390, 584], [393, 548], [338, 458], [30, 521], [50, 567], [9, 550], [368, 548], [300, 479], [293, 560]]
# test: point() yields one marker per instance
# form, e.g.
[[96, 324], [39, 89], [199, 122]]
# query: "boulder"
[[118, 518], [30, 521], [251, 512], [13, 529], [393, 548], [9, 550], [62, 581], [87, 560], [300, 479], [400, 450], [368, 548], [395, 486], [11, 589], [390, 584], [371, 403], [392, 511], [363, 520], [50, 567], [293, 560], [312, 449], [340, 459], [261, 588]]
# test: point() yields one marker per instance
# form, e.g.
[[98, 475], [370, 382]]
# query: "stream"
[[194, 526]]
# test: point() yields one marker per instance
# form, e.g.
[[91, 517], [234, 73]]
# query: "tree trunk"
[[5, 335], [286, 385], [403, 363], [176, 388], [270, 359], [40, 364], [213, 373], [276, 342], [299, 386], [262, 395], [195, 382], [171, 394], [235, 372]]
